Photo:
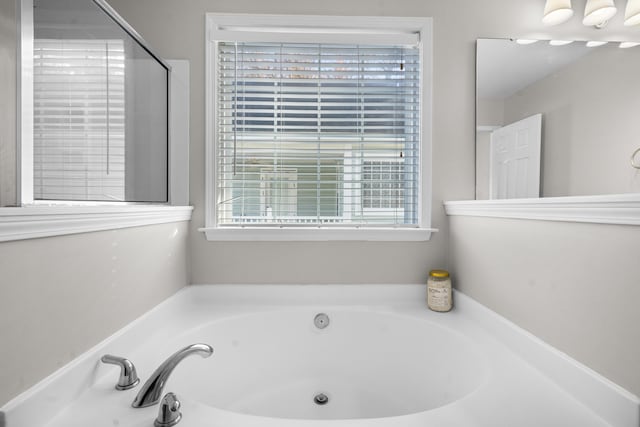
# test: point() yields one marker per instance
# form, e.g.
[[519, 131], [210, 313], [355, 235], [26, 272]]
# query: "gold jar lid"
[[440, 274]]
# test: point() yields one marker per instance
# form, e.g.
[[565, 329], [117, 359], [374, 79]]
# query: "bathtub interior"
[[368, 364]]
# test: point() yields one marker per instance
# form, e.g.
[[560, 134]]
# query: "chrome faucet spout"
[[151, 391]]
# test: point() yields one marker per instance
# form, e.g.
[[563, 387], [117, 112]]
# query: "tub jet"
[[321, 399]]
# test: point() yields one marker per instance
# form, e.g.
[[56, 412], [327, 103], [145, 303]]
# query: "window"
[[383, 185], [320, 126], [79, 116]]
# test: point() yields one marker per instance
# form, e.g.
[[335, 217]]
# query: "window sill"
[[608, 209], [47, 221], [315, 234]]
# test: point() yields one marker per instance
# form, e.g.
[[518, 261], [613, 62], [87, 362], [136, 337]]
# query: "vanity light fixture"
[[594, 43], [556, 12], [627, 45], [632, 13], [598, 12], [560, 42]]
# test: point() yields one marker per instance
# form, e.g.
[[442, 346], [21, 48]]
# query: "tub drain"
[[321, 320], [321, 399]]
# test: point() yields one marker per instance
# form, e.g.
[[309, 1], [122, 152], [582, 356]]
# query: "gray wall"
[[573, 285], [60, 296], [8, 54]]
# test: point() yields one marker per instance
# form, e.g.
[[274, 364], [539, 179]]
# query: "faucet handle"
[[169, 413], [128, 376]]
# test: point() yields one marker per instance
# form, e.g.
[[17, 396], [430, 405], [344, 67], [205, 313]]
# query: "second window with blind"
[[316, 126]]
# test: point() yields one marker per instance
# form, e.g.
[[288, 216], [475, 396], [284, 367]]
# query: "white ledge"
[[46, 221], [317, 234], [609, 209]]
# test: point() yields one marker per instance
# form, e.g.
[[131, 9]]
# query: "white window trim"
[[282, 28], [34, 219], [318, 234]]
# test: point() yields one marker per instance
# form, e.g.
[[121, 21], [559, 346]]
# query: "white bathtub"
[[384, 360]]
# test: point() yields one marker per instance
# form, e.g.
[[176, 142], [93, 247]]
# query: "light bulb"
[[632, 13], [556, 12], [597, 12]]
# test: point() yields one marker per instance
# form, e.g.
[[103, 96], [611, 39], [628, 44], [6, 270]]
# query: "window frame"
[[318, 29]]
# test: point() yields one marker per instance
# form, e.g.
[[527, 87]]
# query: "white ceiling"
[[504, 66]]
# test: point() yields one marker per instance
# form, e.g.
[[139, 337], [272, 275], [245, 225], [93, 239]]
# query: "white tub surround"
[[384, 360]]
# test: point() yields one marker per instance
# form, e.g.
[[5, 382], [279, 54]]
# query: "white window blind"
[[79, 119], [317, 134]]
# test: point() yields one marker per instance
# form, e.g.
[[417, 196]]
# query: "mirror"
[[556, 120], [100, 105]]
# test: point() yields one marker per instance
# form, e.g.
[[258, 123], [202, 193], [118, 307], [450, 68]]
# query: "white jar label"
[[439, 298]]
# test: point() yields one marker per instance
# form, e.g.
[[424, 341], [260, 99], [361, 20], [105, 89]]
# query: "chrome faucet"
[[152, 390]]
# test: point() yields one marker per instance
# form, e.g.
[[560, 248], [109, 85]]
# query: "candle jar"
[[439, 291]]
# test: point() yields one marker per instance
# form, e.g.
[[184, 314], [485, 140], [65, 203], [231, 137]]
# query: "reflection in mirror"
[[556, 120], [100, 108]]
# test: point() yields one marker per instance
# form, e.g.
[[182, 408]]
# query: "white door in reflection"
[[514, 166]]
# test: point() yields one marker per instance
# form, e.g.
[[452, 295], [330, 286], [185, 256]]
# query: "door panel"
[[515, 159]]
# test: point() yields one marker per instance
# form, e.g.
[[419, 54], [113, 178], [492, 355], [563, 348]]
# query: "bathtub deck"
[[515, 392]]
